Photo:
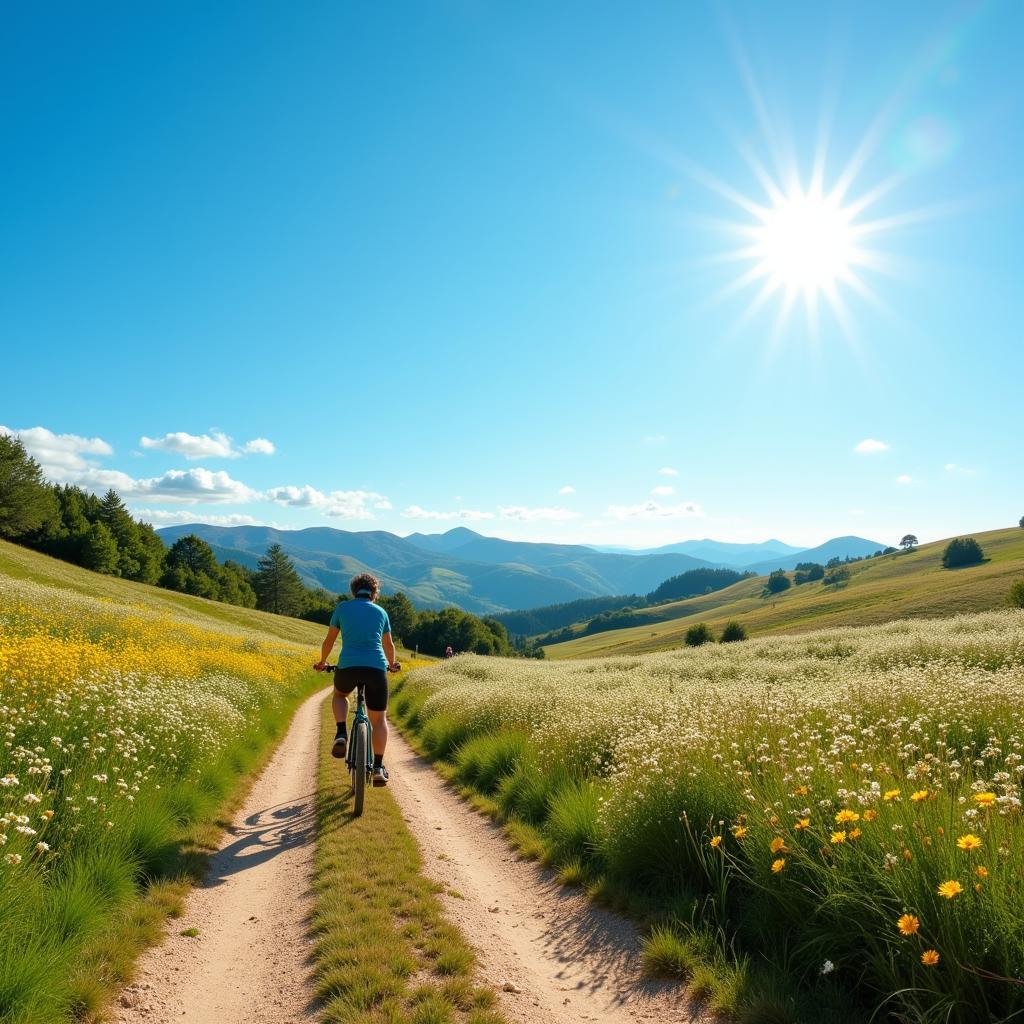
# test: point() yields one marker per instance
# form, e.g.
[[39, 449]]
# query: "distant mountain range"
[[485, 575]]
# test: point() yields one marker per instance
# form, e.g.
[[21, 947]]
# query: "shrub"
[[733, 631], [1015, 598], [837, 576], [962, 551], [778, 581], [698, 634]]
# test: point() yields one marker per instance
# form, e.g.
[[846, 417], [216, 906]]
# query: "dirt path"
[[570, 960], [249, 961]]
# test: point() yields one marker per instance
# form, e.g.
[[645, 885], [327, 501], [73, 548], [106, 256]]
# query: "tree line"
[[69, 523]]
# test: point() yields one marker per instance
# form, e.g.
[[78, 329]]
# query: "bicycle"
[[359, 759]]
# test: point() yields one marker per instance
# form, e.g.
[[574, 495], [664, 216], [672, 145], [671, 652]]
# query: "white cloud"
[[567, 489], [954, 469], [63, 457], [655, 510], [165, 517], [415, 512], [668, 471], [869, 446], [655, 439], [664, 490], [337, 504], [191, 485], [259, 446], [215, 445], [530, 515], [904, 478]]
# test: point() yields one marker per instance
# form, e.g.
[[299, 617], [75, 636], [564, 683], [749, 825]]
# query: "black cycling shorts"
[[374, 681]]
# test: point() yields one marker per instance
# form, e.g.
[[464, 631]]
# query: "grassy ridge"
[[384, 953], [829, 824], [131, 720], [880, 590]]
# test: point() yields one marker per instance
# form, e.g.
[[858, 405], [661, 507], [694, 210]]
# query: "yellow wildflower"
[[984, 799], [870, 814], [908, 924], [778, 865], [802, 824], [981, 871], [891, 794], [968, 842], [929, 958], [739, 831], [838, 837], [921, 794], [778, 845], [716, 841], [846, 815], [950, 889]]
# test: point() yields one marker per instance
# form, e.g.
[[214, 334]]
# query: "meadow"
[[129, 716], [901, 585], [816, 827]]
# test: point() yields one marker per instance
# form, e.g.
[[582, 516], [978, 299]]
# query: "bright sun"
[[804, 243]]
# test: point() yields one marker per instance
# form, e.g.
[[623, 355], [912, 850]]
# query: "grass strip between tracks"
[[384, 952]]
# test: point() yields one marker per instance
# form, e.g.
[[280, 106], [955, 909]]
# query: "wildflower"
[[921, 794], [870, 814], [801, 791], [907, 855], [968, 842], [43, 847], [778, 845], [891, 794], [984, 799], [802, 824], [46, 815], [981, 871], [908, 924], [716, 841], [778, 865], [739, 831], [838, 837], [14, 859], [8, 780], [827, 967], [846, 815], [854, 833], [929, 958], [950, 889], [31, 798]]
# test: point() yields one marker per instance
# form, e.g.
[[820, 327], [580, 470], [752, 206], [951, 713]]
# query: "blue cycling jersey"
[[363, 625]]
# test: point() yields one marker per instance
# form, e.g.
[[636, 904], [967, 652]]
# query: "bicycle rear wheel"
[[359, 758]]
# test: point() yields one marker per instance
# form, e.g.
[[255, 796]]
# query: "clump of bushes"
[[1015, 599], [697, 635], [733, 631], [962, 551]]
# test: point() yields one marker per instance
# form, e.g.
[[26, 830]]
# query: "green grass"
[[20, 563], [880, 590], [384, 952], [184, 730]]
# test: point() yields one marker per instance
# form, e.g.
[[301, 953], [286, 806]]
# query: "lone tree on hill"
[[962, 551], [277, 584], [909, 542], [778, 581], [733, 631], [26, 502], [1021, 523], [697, 635]]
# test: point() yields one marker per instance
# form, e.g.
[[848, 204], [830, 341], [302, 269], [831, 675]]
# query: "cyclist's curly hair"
[[364, 581]]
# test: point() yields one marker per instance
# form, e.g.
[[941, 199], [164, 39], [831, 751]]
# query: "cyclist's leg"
[[377, 708], [344, 684]]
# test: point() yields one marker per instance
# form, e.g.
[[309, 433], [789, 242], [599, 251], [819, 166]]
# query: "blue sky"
[[444, 262]]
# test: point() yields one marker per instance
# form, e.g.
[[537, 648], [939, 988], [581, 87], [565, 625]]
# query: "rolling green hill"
[[880, 589], [20, 563]]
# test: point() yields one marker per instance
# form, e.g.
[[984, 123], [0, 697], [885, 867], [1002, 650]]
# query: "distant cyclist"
[[367, 653]]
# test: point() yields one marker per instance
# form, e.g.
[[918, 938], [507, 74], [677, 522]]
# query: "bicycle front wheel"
[[359, 759]]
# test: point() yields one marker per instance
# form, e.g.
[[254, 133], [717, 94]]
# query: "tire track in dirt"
[[568, 959], [250, 958]]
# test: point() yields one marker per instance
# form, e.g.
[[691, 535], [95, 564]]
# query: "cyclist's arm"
[[325, 648], [389, 648]]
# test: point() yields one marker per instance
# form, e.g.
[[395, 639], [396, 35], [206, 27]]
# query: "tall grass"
[[124, 730], [803, 800]]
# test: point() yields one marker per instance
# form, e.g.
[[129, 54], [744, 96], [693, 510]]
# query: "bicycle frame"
[[361, 716]]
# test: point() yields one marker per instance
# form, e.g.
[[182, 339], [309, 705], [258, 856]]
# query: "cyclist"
[[367, 653]]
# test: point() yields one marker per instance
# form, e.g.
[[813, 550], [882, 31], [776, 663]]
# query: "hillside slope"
[[22, 564], [880, 589]]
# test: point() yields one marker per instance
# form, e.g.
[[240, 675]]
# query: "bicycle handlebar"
[[396, 667]]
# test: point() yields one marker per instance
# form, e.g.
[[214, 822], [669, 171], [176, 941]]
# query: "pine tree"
[[99, 551], [27, 502], [278, 586]]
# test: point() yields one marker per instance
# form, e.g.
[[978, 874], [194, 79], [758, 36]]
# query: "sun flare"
[[804, 242]]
